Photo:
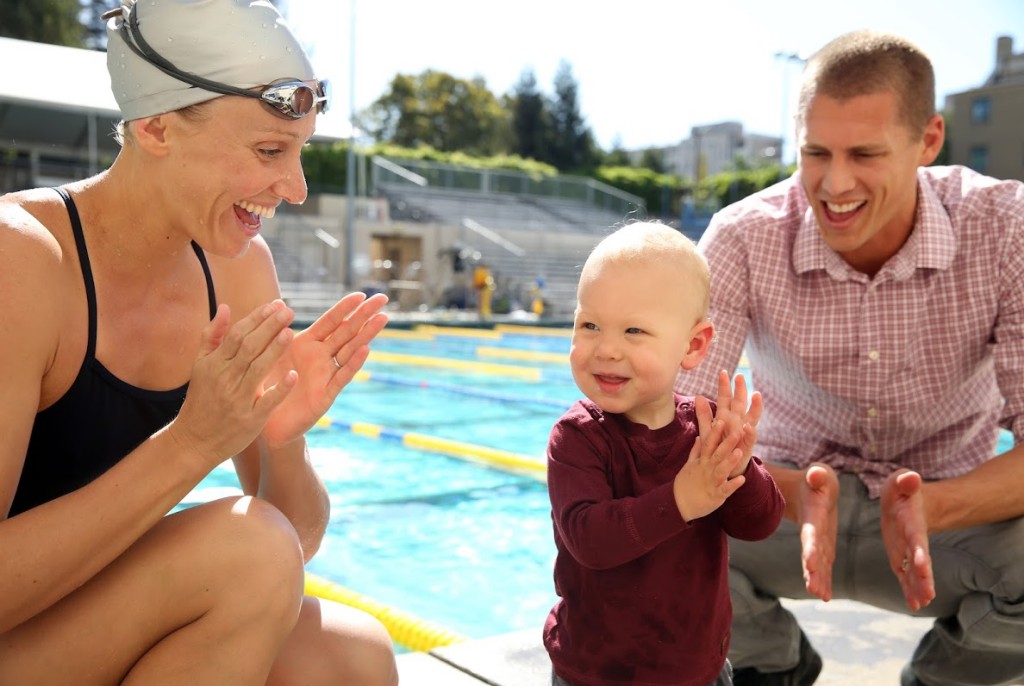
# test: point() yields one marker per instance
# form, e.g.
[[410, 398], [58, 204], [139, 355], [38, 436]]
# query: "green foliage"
[[653, 159], [618, 157], [43, 21], [728, 187], [661, 192], [448, 114], [441, 111], [572, 145], [326, 166], [532, 126]]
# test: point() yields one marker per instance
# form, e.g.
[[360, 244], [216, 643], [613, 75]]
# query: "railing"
[[450, 177]]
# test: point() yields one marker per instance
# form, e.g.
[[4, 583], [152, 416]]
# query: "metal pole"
[[94, 157], [787, 58], [350, 176]]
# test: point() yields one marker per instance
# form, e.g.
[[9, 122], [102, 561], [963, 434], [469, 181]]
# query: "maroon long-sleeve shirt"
[[644, 595]]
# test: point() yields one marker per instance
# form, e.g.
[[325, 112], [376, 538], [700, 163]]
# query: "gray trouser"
[[724, 678], [977, 638]]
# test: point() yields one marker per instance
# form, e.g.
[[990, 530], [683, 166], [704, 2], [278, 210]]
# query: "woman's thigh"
[[197, 559], [335, 644]]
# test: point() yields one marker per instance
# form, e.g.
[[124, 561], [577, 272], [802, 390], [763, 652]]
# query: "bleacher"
[[553, 222], [494, 210]]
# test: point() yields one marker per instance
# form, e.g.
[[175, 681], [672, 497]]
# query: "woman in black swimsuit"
[[144, 343]]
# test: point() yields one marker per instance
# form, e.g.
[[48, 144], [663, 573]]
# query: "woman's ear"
[[700, 340], [150, 133]]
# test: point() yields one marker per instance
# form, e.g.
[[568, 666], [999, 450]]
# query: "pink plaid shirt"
[[916, 367]]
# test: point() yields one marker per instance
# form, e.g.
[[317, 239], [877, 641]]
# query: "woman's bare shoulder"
[[34, 282], [30, 221], [33, 256], [31, 217]]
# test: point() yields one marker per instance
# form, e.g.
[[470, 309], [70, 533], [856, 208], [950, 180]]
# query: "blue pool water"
[[466, 547]]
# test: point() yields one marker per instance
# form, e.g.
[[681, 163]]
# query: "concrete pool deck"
[[860, 646]]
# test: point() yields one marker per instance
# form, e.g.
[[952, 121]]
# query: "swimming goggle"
[[289, 98]]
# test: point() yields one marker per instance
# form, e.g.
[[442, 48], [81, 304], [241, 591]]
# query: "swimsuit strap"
[[83, 261]]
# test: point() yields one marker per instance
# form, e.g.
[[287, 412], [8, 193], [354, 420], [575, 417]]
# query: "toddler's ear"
[[700, 340]]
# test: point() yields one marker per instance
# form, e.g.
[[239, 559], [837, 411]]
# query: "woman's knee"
[[255, 551]]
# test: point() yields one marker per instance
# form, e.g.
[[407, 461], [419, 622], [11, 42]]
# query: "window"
[[977, 158], [981, 110]]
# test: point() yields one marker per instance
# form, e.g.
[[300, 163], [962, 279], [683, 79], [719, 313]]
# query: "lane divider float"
[[481, 454], [531, 373], [405, 629], [520, 354]]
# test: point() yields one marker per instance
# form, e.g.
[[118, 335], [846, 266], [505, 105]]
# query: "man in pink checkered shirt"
[[881, 305]]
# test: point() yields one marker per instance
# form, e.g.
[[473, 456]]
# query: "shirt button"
[[872, 411], [873, 448], [873, 356]]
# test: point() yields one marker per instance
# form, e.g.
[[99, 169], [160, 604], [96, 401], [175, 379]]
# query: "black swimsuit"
[[100, 419]]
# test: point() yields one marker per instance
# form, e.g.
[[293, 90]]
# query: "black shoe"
[[804, 674]]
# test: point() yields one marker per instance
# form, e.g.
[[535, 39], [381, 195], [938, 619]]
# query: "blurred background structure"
[[440, 175]]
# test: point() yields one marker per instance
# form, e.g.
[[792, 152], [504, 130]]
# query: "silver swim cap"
[[237, 43]]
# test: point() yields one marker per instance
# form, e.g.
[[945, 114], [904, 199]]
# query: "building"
[[714, 148], [985, 130]]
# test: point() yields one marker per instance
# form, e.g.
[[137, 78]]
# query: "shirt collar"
[[931, 245]]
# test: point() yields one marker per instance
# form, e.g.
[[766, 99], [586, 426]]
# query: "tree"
[[441, 111], [43, 21], [617, 156], [573, 147], [95, 25], [531, 120], [653, 159]]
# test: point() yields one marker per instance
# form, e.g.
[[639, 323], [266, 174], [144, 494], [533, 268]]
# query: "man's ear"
[[934, 136], [151, 134], [700, 341]]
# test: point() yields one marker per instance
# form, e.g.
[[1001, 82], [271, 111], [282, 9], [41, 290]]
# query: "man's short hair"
[[866, 63]]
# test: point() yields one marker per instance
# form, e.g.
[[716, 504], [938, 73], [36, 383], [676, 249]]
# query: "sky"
[[647, 70]]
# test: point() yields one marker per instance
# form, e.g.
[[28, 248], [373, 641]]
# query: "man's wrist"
[[789, 480], [934, 517]]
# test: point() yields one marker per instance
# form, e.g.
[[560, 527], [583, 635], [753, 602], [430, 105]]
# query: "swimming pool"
[[464, 546]]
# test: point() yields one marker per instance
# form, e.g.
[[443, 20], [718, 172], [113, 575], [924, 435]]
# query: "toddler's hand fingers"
[[732, 485]]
